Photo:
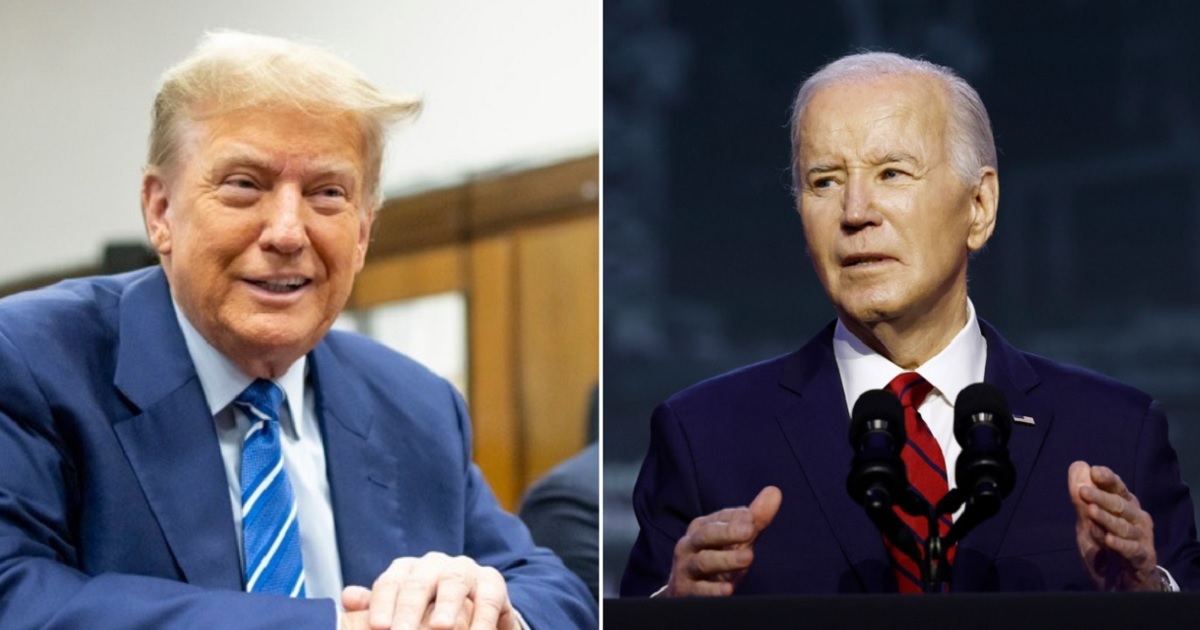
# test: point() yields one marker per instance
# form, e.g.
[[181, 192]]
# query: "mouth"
[[282, 286], [864, 260]]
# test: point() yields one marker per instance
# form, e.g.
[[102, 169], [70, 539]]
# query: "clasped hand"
[[1115, 535], [434, 591]]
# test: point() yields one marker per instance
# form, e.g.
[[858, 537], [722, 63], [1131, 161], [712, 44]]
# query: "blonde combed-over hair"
[[231, 70]]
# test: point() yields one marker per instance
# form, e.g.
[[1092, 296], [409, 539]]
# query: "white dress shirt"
[[303, 455], [959, 364]]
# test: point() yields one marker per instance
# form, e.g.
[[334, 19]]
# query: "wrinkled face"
[[889, 224], [261, 228]]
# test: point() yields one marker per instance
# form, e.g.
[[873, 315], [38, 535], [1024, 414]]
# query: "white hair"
[[968, 133]]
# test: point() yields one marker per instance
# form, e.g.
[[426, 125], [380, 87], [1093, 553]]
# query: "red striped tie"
[[926, 475]]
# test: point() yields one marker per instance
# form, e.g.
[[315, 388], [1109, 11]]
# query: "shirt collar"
[[961, 363], [222, 381]]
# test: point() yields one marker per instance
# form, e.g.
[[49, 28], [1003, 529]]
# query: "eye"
[[890, 173], [241, 182], [332, 192], [239, 190], [822, 182]]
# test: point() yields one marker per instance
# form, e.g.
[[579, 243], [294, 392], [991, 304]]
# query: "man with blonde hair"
[[896, 184], [190, 445]]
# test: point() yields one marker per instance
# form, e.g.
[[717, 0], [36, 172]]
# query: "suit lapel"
[[816, 423], [364, 484], [1007, 369], [172, 444]]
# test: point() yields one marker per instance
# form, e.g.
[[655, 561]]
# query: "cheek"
[[819, 238], [339, 246]]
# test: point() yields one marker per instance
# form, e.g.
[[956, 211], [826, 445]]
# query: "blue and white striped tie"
[[270, 530]]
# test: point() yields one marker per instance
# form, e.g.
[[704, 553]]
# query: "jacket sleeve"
[[1160, 490], [548, 596], [665, 500]]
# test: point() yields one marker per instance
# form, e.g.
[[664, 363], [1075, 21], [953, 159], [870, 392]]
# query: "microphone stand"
[[982, 504]]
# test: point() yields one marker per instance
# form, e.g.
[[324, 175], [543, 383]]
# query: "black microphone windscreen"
[[875, 404], [981, 398]]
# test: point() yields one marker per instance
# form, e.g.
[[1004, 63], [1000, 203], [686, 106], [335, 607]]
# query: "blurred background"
[[485, 259], [1096, 111]]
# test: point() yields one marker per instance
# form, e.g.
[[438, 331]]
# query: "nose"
[[283, 224], [858, 205]]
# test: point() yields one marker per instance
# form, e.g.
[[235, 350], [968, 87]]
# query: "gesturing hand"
[[1115, 535], [718, 548], [434, 591]]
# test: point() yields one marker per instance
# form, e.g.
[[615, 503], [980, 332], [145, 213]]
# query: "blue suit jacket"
[[784, 422], [114, 509]]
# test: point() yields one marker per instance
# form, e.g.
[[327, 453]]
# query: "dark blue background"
[[1096, 112]]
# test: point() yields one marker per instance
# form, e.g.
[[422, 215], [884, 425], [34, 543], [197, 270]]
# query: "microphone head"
[[877, 475], [981, 399], [982, 425], [881, 405]]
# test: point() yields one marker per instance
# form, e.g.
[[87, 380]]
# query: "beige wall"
[[505, 83]]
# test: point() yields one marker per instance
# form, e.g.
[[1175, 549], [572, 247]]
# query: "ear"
[[364, 235], [984, 202], [155, 204]]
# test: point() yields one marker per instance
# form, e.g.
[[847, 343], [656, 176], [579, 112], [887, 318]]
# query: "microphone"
[[877, 474], [982, 425]]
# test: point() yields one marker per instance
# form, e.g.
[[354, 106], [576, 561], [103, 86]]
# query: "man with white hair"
[[191, 446], [896, 185]]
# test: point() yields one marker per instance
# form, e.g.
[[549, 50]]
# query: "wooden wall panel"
[[493, 374], [407, 224], [558, 322], [402, 277], [518, 198]]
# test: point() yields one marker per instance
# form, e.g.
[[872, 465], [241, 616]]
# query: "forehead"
[[862, 118], [279, 136]]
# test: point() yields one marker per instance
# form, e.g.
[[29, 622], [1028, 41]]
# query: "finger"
[[1109, 481], [711, 562], [416, 591], [491, 600], [1079, 475], [764, 508], [716, 534], [1134, 551], [710, 589], [385, 590], [721, 516], [454, 586], [355, 598], [1112, 503], [353, 620], [1115, 524]]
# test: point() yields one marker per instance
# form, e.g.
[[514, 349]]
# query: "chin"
[[869, 308], [277, 334]]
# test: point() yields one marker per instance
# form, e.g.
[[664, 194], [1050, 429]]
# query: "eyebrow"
[[248, 157], [242, 156], [820, 168], [898, 156]]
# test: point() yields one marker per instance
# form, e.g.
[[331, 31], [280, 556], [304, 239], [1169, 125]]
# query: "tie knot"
[[911, 388], [261, 400]]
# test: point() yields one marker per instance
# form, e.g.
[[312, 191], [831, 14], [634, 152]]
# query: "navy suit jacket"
[[114, 508], [784, 422]]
